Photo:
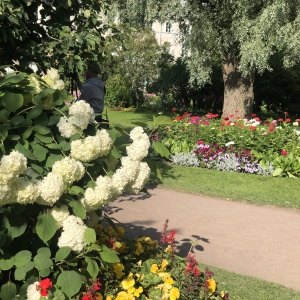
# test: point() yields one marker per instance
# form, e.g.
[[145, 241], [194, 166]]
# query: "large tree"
[[239, 36], [57, 33]]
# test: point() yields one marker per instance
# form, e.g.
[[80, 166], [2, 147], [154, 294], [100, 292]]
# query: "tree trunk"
[[238, 92]]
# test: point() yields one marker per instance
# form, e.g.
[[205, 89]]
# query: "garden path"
[[258, 241]]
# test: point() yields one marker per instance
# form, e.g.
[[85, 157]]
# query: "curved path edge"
[[257, 241]]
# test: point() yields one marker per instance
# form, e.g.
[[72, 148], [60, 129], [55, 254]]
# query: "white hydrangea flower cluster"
[[32, 292], [131, 176], [52, 78], [13, 188], [139, 148], [72, 235], [60, 214], [141, 179], [51, 188], [70, 169], [91, 147], [80, 113]]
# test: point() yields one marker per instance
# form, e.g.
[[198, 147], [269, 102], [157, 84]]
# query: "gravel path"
[[258, 241]]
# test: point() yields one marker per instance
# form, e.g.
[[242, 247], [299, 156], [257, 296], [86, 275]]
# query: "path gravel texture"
[[258, 241]]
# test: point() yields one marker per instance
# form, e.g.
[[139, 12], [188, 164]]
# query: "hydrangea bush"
[[58, 168]]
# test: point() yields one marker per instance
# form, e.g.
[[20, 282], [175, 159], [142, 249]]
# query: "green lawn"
[[254, 189]]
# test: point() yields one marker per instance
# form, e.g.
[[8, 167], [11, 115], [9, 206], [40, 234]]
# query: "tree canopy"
[[54, 33]]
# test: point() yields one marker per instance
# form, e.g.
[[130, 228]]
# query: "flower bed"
[[234, 144]]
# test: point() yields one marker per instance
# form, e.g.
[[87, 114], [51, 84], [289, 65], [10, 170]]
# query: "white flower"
[[87, 149], [6, 178], [229, 143], [15, 163], [32, 292], [106, 142], [72, 235], [25, 191], [126, 174], [65, 128], [141, 179], [295, 123], [70, 169], [136, 132], [95, 198], [138, 149], [60, 214], [297, 132], [53, 80], [5, 194], [80, 114], [51, 188]]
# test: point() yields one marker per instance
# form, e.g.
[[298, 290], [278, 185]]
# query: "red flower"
[[236, 110], [226, 118], [43, 286], [231, 115], [288, 120], [174, 109], [280, 120], [286, 113], [297, 120], [252, 128], [283, 152], [253, 115]]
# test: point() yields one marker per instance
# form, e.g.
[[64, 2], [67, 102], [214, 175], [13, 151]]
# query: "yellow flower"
[[124, 296], [169, 280], [174, 293], [127, 283], [139, 248], [154, 268], [118, 269], [138, 291], [109, 297], [169, 249], [98, 296], [211, 285], [164, 263]]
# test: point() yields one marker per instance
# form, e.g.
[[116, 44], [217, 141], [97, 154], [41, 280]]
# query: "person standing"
[[93, 91]]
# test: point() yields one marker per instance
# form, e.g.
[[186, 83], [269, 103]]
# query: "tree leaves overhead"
[[56, 33]]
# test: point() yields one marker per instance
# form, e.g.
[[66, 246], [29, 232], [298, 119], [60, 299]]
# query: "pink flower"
[[283, 152]]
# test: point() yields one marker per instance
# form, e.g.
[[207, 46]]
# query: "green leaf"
[[109, 255], [162, 121], [26, 152], [44, 139], [69, 283], [16, 120], [41, 129], [15, 226], [12, 101], [15, 77], [20, 272], [142, 124], [76, 190], [45, 272], [52, 159], [115, 153], [22, 258], [42, 261], [77, 208], [7, 264], [277, 172], [27, 133], [89, 236], [4, 114], [44, 251], [154, 169], [62, 253], [35, 112], [53, 120], [46, 227], [37, 168], [8, 291], [161, 149], [92, 267], [40, 152]]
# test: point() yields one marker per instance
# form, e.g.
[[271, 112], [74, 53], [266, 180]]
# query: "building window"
[[169, 27]]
